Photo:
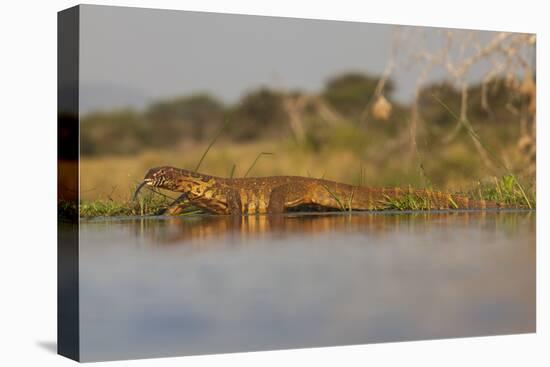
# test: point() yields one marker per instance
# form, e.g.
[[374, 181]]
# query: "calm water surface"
[[192, 285]]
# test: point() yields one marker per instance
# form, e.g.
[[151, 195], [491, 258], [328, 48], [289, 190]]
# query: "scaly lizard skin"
[[277, 194]]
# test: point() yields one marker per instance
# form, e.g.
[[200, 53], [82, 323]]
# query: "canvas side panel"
[[67, 182]]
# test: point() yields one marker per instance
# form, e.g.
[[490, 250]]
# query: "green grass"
[[148, 203], [507, 190], [407, 202]]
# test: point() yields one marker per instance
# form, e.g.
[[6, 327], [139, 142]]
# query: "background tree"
[[192, 117], [115, 132], [260, 113]]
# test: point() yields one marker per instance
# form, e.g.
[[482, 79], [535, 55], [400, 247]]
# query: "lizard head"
[[175, 179], [162, 177]]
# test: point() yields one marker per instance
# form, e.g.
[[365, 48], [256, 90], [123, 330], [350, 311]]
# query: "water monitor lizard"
[[277, 194]]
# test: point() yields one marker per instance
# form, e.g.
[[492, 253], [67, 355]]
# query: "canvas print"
[[232, 183]]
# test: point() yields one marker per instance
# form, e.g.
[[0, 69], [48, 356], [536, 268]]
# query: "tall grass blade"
[[523, 193], [226, 123], [256, 160], [342, 207]]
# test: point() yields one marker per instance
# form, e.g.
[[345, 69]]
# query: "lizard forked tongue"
[[138, 189]]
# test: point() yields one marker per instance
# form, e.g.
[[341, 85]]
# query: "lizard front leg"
[[234, 206]]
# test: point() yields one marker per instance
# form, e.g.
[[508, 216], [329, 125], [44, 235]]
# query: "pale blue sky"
[[134, 56]]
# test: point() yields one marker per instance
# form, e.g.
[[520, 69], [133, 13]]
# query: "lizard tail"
[[341, 196], [442, 200], [430, 199]]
